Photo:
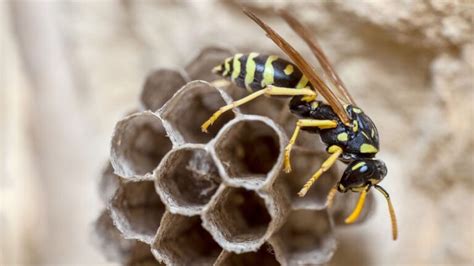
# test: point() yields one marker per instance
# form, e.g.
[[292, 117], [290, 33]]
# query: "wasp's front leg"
[[322, 124], [336, 152]]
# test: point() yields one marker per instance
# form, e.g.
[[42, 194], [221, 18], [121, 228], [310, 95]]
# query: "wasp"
[[349, 133]]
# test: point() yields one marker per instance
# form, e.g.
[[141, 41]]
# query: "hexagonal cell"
[[249, 151], [344, 204], [108, 183], [118, 249], [137, 210], [264, 256], [138, 145], [304, 163], [181, 240], [241, 220], [187, 179], [201, 66], [159, 86], [189, 108], [306, 238]]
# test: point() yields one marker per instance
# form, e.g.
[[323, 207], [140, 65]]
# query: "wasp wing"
[[308, 38], [304, 66]]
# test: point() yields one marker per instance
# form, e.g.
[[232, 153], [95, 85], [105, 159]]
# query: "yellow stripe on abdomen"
[[236, 66], [269, 72], [250, 68], [226, 66]]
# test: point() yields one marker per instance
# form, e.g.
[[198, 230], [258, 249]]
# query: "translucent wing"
[[308, 38], [304, 66]]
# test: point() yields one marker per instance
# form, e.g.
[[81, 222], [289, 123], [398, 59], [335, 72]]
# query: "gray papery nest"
[[183, 197]]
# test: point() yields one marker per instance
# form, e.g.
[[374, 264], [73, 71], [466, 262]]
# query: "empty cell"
[[118, 249], [138, 145], [249, 149], [187, 179], [159, 86], [239, 216], [181, 240], [306, 238], [137, 210], [264, 256], [190, 107], [304, 163], [108, 184]]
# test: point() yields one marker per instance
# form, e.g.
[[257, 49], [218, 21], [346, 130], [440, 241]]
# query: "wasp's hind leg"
[[322, 124], [269, 91], [336, 152]]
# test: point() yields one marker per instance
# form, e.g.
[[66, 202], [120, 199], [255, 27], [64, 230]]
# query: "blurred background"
[[70, 69]]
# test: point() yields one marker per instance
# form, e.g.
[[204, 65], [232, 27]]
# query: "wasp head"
[[362, 173]]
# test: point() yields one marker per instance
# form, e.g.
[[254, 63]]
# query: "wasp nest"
[[178, 196]]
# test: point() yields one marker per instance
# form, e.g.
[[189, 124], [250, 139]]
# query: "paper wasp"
[[350, 135]]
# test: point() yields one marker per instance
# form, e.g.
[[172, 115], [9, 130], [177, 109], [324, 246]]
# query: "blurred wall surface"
[[70, 69]]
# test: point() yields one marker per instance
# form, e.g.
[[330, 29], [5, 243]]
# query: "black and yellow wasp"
[[350, 135]]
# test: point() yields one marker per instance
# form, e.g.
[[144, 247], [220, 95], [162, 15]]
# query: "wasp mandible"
[[350, 135]]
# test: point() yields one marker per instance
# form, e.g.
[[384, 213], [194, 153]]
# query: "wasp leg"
[[360, 205], [269, 91], [331, 196], [220, 83], [322, 124], [336, 152]]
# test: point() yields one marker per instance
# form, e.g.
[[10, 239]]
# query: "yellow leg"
[[331, 196], [322, 124], [270, 90], [336, 152], [360, 205]]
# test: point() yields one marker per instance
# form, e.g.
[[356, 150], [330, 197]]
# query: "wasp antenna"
[[360, 205], [391, 210]]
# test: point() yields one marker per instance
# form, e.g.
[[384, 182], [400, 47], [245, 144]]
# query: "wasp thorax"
[[361, 173]]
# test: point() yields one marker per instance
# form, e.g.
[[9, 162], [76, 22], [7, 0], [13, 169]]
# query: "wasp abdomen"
[[254, 72]]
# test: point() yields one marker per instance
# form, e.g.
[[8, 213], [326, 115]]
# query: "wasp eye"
[[363, 169]]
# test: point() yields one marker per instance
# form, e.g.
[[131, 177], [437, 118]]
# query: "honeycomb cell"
[[201, 67], [137, 210], [249, 151], [306, 238], [118, 249], [138, 145], [264, 256], [159, 86], [181, 240], [241, 220], [191, 106], [187, 179], [304, 163], [108, 183]]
